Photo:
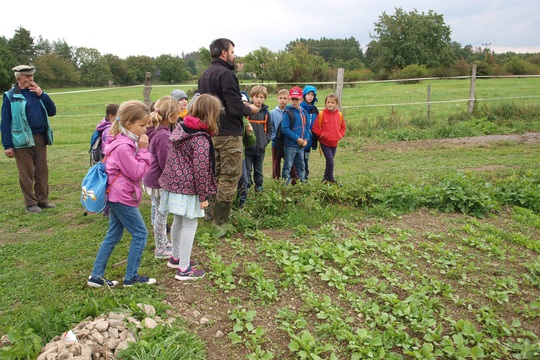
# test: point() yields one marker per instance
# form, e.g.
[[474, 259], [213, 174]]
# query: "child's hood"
[[103, 124], [194, 123], [189, 128], [309, 88]]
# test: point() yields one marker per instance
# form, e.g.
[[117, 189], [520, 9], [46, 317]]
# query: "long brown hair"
[[207, 108]]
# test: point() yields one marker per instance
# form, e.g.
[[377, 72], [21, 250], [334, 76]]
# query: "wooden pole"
[[339, 85], [147, 90], [472, 93]]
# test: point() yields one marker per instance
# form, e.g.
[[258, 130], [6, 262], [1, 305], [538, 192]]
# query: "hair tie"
[[158, 112], [117, 118]]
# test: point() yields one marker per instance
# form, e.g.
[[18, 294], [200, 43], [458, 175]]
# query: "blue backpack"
[[94, 188]]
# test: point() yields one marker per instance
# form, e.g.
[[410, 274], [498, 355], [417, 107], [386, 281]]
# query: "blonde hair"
[[164, 107], [283, 92], [207, 108], [129, 112], [258, 89], [331, 96]]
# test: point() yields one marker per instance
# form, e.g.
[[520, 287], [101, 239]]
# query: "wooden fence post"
[[147, 90], [472, 93], [339, 85]]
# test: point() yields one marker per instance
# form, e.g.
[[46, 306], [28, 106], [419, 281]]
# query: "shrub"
[[413, 71], [517, 66]]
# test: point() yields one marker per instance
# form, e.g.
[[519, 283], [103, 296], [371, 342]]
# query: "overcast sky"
[[161, 27]]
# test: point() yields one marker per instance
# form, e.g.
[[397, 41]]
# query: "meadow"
[[430, 249]]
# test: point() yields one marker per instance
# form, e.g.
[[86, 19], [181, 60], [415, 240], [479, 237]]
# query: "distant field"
[[367, 103]]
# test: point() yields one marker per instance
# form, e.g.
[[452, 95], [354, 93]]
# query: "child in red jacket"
[[329, 127]]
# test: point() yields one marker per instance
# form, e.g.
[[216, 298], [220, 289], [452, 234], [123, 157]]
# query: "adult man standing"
[[26, 132], [220, 80]]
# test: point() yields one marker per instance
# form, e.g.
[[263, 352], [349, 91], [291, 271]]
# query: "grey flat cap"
[[24, 69]]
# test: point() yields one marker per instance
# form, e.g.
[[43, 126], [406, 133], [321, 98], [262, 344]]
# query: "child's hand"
[[204, 204], [143, 141], [301, 142], [249, 129], [254, 109]]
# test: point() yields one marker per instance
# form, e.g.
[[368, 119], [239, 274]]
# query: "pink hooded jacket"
[[125, 169]]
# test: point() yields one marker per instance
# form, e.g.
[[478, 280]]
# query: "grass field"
[[430, 249]]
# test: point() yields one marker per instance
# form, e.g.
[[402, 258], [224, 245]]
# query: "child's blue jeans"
[[122, 217]]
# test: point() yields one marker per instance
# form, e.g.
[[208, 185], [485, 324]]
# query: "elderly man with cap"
[[26, 132]]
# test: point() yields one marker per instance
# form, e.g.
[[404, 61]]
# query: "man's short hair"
[[218, 45]]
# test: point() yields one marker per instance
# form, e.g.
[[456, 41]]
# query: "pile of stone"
[[99, 338]]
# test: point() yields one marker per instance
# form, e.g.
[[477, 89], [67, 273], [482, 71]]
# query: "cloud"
[[175, 27]]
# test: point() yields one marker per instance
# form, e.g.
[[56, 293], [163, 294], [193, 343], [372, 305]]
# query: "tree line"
[[403, 45]]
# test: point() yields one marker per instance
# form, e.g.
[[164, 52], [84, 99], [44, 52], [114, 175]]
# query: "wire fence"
[[367, 100]]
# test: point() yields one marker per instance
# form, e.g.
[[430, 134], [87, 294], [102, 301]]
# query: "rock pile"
[[100, 338]]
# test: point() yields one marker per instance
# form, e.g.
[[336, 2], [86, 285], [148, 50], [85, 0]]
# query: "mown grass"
[[45, 258]]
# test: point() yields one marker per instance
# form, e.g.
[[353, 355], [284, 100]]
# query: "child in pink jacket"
[[329, 127], [127, 162]]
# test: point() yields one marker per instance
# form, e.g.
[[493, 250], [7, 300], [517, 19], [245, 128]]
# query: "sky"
[[175, 27]]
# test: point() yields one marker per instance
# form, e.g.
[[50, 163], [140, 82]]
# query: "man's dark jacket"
[[220, 80]]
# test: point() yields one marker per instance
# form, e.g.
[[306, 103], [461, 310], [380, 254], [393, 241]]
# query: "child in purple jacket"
[[162, 119]]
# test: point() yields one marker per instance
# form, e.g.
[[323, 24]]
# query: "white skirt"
[[180, 204]]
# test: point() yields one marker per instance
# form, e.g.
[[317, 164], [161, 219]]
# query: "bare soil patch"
[[530, 137]]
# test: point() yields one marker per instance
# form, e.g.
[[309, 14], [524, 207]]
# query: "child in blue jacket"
[[297, 136]]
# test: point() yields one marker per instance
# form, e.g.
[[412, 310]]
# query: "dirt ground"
[[530, 137], [206, 308]]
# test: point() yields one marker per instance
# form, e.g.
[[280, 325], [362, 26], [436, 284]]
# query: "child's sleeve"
[[269, 128], [315, 127], [342, 128], [286, 127]]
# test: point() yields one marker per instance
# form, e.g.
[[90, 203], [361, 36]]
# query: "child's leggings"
[[182, 235], [329, 153], [160, 226]]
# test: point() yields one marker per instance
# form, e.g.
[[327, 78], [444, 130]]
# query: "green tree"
[[55, 71], [138, 66], [282, 67], [7, 62], [119, 71], [193, 63], [63, 50], [518, 66], [21, 46], [410, 38], [205, 57], [43, 46], [170, 69], [257, 62], [308, 67], [337, 52], [93, 67]]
